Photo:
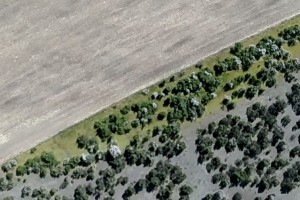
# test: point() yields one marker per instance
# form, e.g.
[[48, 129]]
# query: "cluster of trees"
[[137, 156], [251, 137], [6, 183], [190, 85], [9, 165], [290, 178], [184, 109], [247, 55], [184, 192], [204, 148], [210, 83], [170, 137], [114, 124], [296, 126], [228, 64], [272, 48], [215, 196], [290, 34], [285, 67], [294, 98], [236, 81], [38, 164], [106, 181], [164, 176], [267, 46], [90, 144], [41, 193]]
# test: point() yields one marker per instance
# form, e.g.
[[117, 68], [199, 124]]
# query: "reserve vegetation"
[[152, 125]]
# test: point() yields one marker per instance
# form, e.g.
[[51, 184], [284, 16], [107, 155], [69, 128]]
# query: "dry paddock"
[[63, 60]]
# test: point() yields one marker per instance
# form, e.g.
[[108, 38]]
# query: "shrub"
[[21, 170], [161, 116]]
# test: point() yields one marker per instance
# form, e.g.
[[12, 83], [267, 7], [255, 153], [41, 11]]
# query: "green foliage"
[[294, 98], [114, 124], [292, 32], [185, 190], [285, 120], [237, 196], [161, 116], [21, 170], [90, 144], [80, 193]]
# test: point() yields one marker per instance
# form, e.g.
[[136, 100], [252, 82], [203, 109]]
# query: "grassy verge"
[[64, 144]]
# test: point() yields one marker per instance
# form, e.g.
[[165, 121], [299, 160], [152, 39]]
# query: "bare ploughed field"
[[63, 60]]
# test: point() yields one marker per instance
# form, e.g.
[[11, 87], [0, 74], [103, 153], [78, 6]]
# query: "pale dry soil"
[[63, 60]]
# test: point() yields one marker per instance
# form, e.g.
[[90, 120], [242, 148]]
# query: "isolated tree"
[[161, 115], [140, 185], [285, 120], [26, 191], [281, 146], [164, 193], [185, 190], [21, 170], [237, 196], [80, 193], [128, 192]]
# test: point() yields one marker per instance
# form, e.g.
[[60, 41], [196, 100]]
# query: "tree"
[[277, 107], [64, 184], [9, 176], [48, 159], [21, 170], [43, 172], [185, 190], [285, 120], [230, 106], [3, 184], [128, 192], [270, 82], [237, 196], [236, 48], [125, 110], [161, 116], [102, 131], [89, 189], [80, 193], [250, 92], [216, 162], [53, 191], [263, 164], [295, 152], [140, 185], [281, 146], [7, 166], [287, 186], [82, 141], [122, 180], [176, 175], [217, 196], [26, 191], [135, 123], [164, 193]]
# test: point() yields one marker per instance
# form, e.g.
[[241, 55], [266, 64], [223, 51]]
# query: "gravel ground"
[[63, 60]]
